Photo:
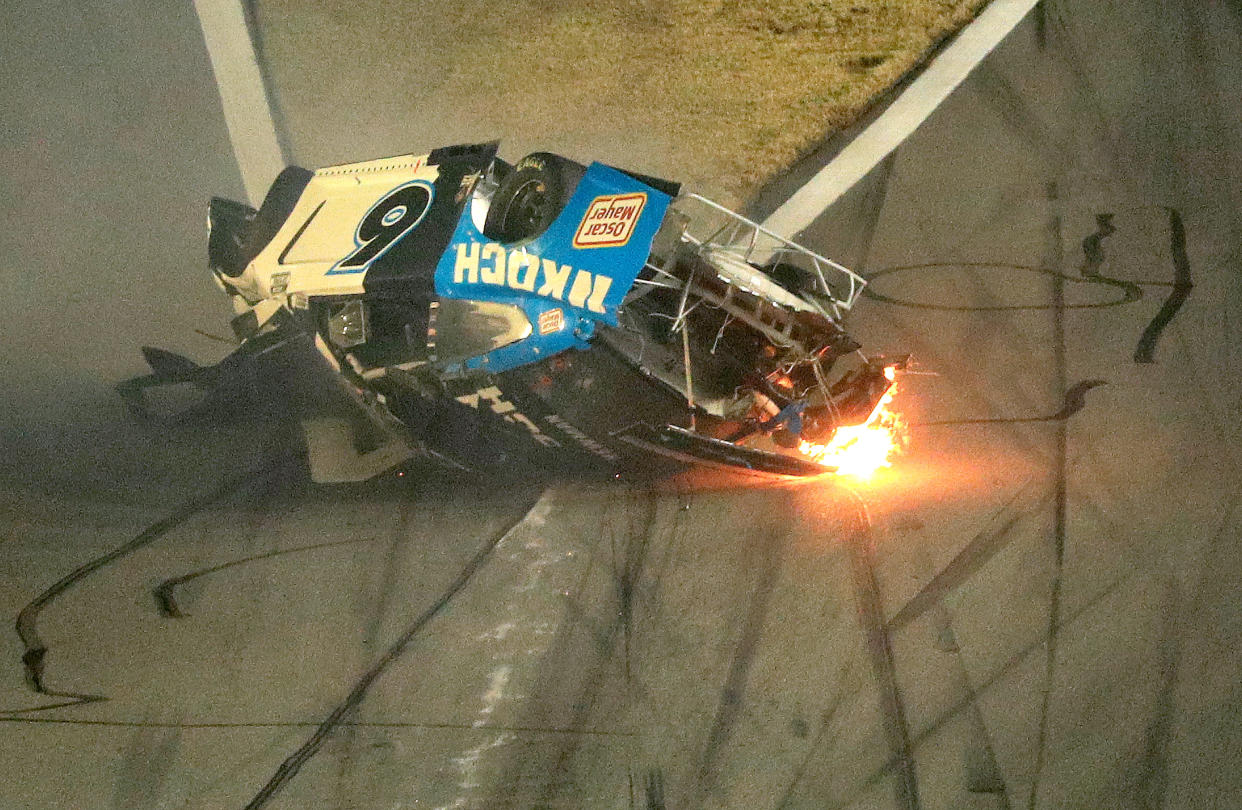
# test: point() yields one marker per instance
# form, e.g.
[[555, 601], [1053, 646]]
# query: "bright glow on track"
[[860, 450]]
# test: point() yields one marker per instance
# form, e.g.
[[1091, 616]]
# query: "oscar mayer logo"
[[610, 220], [551, 321]]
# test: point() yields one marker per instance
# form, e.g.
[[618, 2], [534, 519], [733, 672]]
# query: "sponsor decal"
[[299, 301], [280, 283], [610, 220], [551, 321], [518, 269]]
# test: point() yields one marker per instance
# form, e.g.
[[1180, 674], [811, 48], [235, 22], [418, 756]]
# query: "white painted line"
[[246, 110], [910, 109]]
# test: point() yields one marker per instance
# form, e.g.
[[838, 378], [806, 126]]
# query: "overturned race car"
[[545, 314]]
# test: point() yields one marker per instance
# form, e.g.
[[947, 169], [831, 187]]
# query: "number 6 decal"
[[383, 226]]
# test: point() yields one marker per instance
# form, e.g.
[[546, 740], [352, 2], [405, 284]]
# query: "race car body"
[[546, 313]]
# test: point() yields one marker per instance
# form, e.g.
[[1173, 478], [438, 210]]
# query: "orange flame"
[[860, 450]]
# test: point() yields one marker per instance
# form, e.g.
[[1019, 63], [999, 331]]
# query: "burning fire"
[[860, 450]]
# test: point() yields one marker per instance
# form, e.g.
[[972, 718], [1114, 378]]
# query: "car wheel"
[[530, 197]]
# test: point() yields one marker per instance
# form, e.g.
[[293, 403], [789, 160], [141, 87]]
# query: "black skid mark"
[[1130, 292], [970, 560], [71, 699], [654, 790], [630, 538], [35, 650], [1018, 659], [1093, 251], [1092, 246], [166, 601], [1075, 400], [296, 724], [1145, 352], [878, 641], [731, 704], [627, 574], [826, 720], [294, 762]]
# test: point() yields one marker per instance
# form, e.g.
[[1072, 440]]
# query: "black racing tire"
[[531, 196], [500, 170]]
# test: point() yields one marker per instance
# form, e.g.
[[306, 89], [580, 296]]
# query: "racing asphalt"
[[1038, 607]]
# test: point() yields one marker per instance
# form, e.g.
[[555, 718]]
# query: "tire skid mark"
[[294, 762], [396, 724], [985, 776], [1093, 253], [871, 616], [74, 699], [1075, 400], [371, 636], [894, 762], [35, 650], [653, 789], [970, 559], [1124, 286], [1061, 510], [165, 598], [1092, 246], [826, 720], [637, 545], [653, 784], [143, 769], [675, 532], [1154, 782], [548, 776], [1177, 618], [1089, 273], [1145, 352], [1017, 112], [627, 574], [732, 695]]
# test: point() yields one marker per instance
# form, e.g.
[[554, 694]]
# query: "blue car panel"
[[572, 276]]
